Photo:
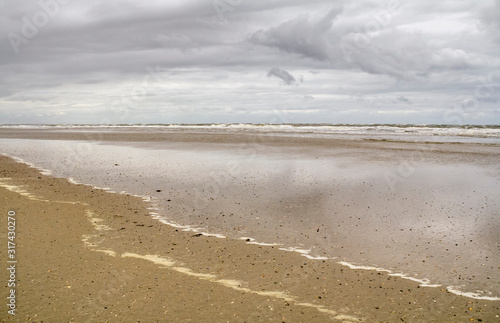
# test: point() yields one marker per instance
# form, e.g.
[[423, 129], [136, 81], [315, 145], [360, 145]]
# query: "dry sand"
[[85, 255]]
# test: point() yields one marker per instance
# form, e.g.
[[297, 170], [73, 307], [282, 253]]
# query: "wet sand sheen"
[[95, 256], [426, 212]]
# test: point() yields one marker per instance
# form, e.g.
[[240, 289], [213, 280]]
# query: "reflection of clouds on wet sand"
[[324, 199]]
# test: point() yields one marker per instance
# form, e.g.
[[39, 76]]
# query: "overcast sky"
[[274, 61]]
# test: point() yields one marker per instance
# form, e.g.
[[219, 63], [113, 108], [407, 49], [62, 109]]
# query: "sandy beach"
[[88, 255], [250, 161], [85, 255]]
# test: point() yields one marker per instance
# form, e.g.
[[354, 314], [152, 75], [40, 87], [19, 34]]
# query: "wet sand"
[[89, 255], [425, 210]]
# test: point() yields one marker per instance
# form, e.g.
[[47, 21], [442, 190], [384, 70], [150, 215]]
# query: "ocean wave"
[[482, 131]]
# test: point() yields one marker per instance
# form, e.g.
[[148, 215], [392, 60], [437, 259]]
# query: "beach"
[[151, 225]]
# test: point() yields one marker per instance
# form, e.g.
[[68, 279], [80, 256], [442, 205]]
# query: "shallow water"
[[433, 219]]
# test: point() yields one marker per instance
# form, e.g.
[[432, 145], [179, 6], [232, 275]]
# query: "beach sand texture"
[[86, 254]]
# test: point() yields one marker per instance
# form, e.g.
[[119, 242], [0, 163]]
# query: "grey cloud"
[[399, 54], [283, 75], [178, 41], [402, 99], [303, 35], [404, 55], [4, 92], [31, 97], [91, 81], [93, 52], [490, 16]]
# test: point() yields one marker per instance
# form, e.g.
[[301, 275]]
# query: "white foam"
[[367, 130], [186, 228], [305, 252], [352, 266], [264, 244], [48, 172], [424, 282], [301, 251], [31, 165], [72, 181], [317, 257], [455, 291]]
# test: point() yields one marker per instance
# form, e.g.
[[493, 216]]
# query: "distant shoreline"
[[489, 135]]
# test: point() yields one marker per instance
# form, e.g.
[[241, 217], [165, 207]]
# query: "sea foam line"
[[31, 165], [185, 228], [455, 291], [423, 282], [305, 252]]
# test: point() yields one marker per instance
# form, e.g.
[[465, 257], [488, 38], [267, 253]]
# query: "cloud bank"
[[366, 61]]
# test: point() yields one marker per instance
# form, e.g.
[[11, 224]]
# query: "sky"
[[250, 61]]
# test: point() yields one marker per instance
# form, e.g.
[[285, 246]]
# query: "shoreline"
[[228, 137], [262, 199], [358, 299], [424, 282]]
